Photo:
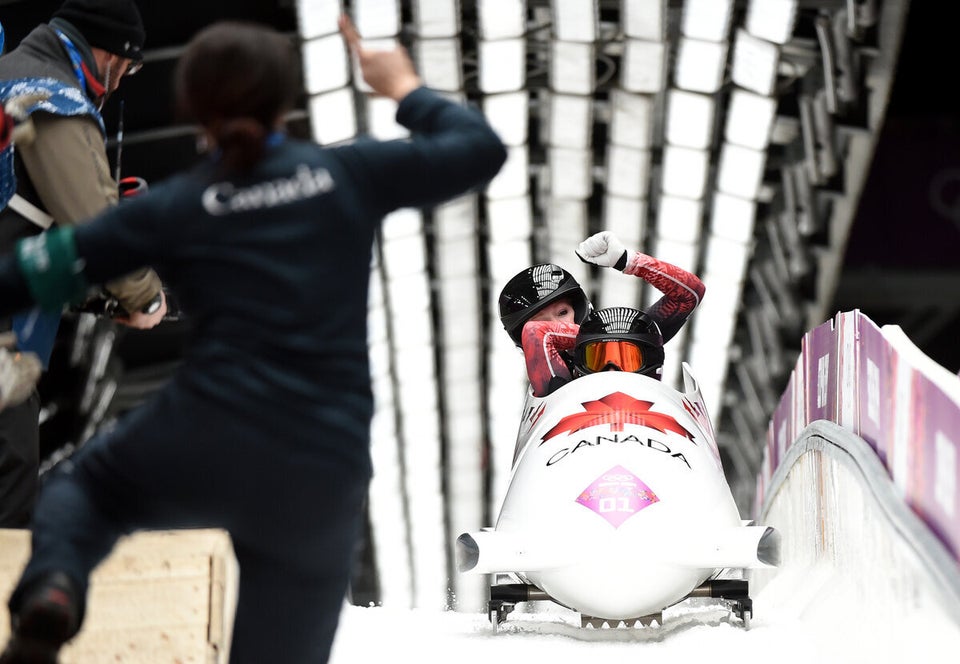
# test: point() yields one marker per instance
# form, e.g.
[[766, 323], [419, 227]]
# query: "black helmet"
[[624, 338], [533, 289]]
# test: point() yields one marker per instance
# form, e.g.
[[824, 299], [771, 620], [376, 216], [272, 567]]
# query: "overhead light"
[[502, 19], [571, 173], [750, 119], [333, 117], [615, 291], [405, 222], [502, 65], [628, 171], [726, 258], [568, 224], [755, 63], [643, 66], [682, 254], [708, 20], [572, 68], [777, 249], [689, 119], [507, 113], [685, 171], [716, 311], [436, 18], [570, 121], [816, 127], [457, 262], [626, 218], [810, 220], [741, 170], [410, 305], [505, 259], [382, 119], [459, 297], [679, 219], [318, 17], [840, 68], [376, 19], [823, 125], [631, 119], [513, 179], [575, 20], [325, 65], [709, 360], [438, 61], [644, 19], [456, 218], [732, 217], [457, 257], [700, 65], [772, 20], [404, 256], [509, 219], [461, 363]]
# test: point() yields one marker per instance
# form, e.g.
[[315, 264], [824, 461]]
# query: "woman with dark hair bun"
[[264, 431], [241, 105]]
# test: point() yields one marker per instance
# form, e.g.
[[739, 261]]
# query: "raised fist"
[[604, 249]]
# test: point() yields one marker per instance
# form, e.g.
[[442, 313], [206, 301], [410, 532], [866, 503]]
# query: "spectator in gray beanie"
[[114, 26], [60, 74]]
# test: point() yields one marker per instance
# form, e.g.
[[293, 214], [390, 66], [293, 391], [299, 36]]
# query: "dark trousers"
[[19, 462], [292, 511]]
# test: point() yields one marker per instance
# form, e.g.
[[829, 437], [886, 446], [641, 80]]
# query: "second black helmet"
[[533, 289]]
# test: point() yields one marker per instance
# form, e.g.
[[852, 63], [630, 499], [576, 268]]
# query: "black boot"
[[47, 614]]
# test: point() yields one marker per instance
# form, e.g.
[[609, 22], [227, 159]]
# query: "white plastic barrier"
[[839, 511], [874, 383]]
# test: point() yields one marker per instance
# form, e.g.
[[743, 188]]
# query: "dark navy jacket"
[[273, 268]]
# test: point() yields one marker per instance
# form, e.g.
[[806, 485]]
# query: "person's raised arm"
[[452, 148], [682, 290], [543, 343], [389, 73]]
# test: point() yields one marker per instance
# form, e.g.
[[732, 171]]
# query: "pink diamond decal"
[[617, 495]]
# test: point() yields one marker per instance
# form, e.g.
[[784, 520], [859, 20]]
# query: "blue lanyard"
[[74, 58]]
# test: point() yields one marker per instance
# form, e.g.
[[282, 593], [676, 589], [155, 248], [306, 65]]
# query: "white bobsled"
[[617, 507]]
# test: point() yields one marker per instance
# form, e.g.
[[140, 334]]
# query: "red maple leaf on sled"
[[616, 410]]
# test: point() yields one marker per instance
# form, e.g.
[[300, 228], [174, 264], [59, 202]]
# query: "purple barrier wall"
[[875, 383]]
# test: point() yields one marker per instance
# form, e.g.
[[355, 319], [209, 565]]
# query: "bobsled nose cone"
[[468, 553], [768, 548]]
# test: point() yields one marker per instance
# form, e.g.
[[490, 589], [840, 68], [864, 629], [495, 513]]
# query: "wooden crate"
[[161, 597]]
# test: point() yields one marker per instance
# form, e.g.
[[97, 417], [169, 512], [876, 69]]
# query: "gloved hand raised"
[[604, 249]]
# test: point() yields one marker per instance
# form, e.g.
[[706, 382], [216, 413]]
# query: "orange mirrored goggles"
[[625, 355]]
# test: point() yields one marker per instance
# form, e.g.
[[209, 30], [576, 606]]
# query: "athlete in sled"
[[617, 505]]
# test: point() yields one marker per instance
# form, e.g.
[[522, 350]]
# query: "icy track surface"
[[820, 624]]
